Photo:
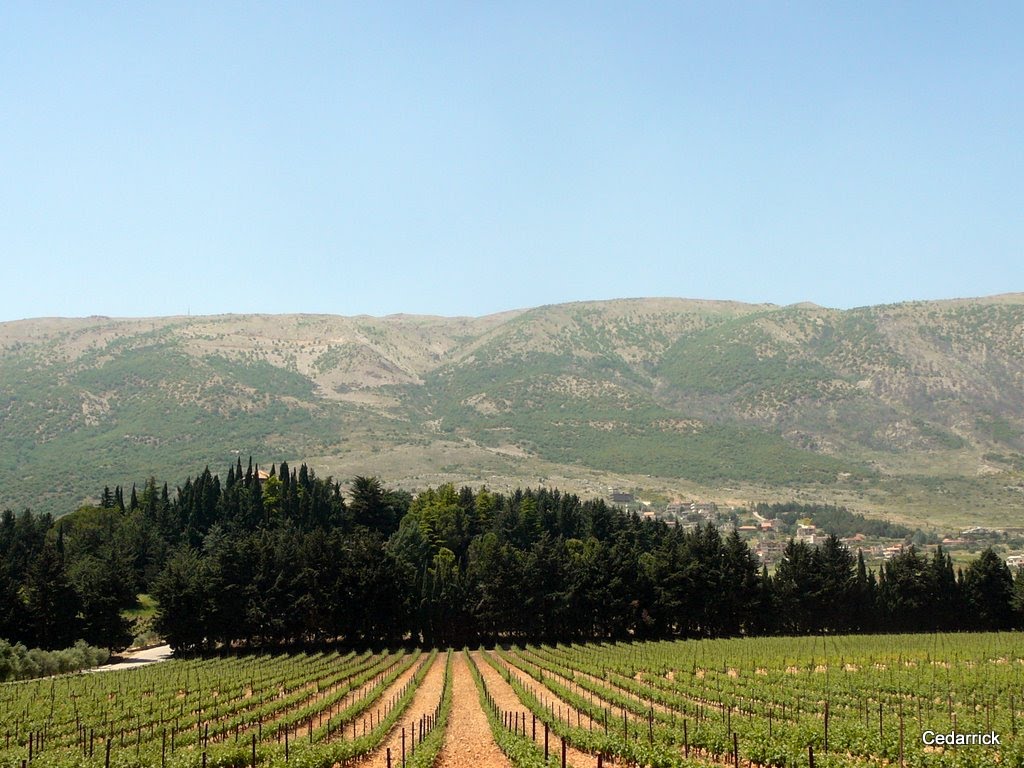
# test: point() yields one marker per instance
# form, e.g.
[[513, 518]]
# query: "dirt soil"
[[468, 742], [424, 702], [506, 698], [302, 729]]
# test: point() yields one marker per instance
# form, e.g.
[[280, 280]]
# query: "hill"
[[912, 410]]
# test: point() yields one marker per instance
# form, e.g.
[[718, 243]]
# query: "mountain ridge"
[[892, 408]]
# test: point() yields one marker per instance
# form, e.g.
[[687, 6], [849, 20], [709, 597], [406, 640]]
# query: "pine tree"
[[52, 603]]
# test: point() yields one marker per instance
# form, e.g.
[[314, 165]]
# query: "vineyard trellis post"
[[826, 727]]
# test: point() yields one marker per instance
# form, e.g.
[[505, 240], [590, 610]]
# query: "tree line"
[[292, 557]]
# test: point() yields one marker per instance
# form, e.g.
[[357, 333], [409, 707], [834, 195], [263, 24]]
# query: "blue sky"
[[467, 158]]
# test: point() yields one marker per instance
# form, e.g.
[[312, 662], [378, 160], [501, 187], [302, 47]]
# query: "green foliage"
[[739, 357], [834, 519], [19, 663], [128, 412], [1000, 430], [520, 751], [427, 751]]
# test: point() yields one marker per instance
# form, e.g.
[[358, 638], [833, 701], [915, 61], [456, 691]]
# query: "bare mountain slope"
[[915, 409]]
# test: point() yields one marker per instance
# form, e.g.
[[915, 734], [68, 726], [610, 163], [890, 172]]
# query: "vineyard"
[[815, 701]]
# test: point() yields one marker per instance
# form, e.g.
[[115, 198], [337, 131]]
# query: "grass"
[[144, 609]]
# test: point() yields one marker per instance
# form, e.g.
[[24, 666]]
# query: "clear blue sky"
[[443, 158]]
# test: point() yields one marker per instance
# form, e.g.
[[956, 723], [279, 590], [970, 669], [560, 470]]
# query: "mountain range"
[[913, 411]]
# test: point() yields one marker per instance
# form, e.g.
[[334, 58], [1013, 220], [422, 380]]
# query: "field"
[[823, 701]]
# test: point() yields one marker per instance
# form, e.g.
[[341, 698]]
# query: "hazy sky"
[[466, 158]]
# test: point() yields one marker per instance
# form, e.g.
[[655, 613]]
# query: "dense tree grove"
[[291, 557]]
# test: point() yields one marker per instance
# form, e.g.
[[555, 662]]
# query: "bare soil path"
[[302, 729], [468, 742], [696, 753], [424, 702], [507, 699], [595, 699], [133, 659]]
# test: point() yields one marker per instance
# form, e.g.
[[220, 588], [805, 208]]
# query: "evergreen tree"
[[51, 602], [988, 587], [182, 591]]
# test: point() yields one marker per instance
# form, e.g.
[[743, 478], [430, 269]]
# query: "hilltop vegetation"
[[914, 410]]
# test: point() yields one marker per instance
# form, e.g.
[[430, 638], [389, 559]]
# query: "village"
[[768, 536]]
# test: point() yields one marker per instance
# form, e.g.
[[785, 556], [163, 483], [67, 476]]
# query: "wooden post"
[[826, 727], [286, 745], [254, 750], [403, 746], [686, 741], [533, 728], [389, 757], [545, 742], [735, 750], [810, 755], [106, 761], [901, 738], [563, 752], [163, 751]]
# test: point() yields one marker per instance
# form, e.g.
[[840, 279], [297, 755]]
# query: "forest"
[[265, 559]]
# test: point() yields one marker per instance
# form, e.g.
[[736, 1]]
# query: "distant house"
[[803, 531], [770, 551], [1015, 561]]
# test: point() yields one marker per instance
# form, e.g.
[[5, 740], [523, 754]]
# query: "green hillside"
[[913, 410]]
